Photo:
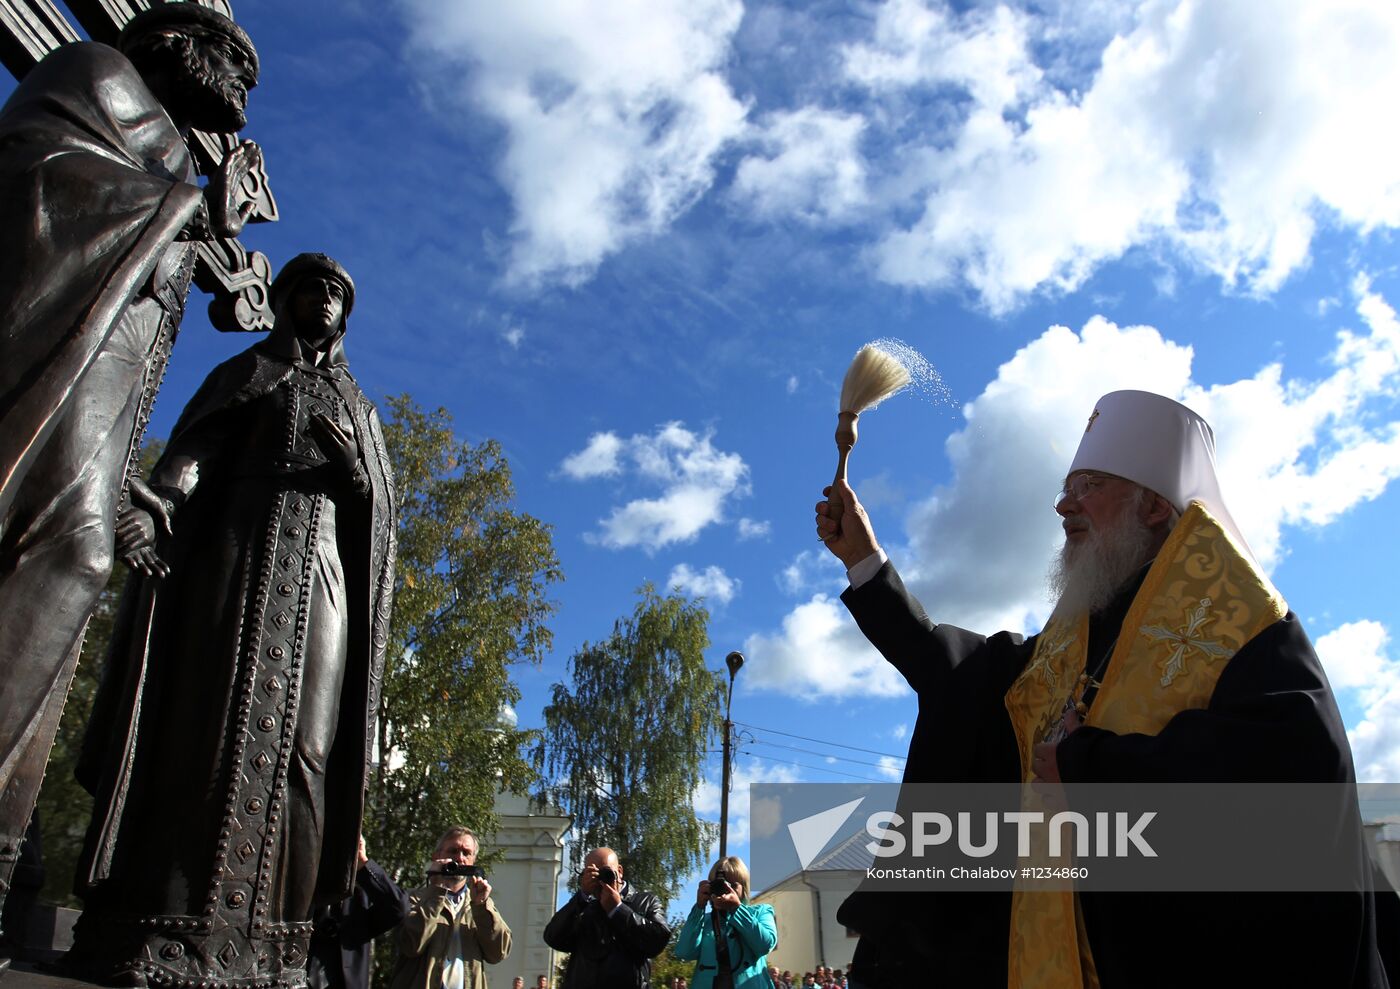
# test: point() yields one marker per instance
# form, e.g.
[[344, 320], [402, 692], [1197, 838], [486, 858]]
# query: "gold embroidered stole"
[[1201, 601]]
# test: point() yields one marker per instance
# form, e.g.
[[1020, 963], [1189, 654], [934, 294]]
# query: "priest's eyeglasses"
[[1078, 487]]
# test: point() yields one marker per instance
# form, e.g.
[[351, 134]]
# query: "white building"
[[525, 885], [805, 904]]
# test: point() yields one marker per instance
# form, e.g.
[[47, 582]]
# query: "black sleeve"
[[1271, 718], [641, 926], [561, 933], [927, 655], [388, 904], [962, 733]]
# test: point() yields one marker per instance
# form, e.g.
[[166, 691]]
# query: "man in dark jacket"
[[610, 930], [341, 939]]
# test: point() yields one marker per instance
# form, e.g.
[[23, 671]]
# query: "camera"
[[607, 876], [468, 871], [719, 886]]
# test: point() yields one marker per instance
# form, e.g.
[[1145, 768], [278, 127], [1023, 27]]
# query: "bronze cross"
[[1091, 421]]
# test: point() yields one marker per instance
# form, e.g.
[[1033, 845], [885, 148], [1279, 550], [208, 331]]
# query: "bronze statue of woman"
[[229, 742]]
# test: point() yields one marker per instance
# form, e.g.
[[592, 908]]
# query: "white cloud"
[[712, 583], [1354, 655], [507, 716], [695, 478], [1007, 150], [890, 767], [751, 529], [1303, 452], [1356, 659], [1291, 452], [1205, 127], [926, 44], [600, 458], [900, 731], [792, 384], [819, 653], [811, 569], [810, 167], [514, 336], [613, 113]]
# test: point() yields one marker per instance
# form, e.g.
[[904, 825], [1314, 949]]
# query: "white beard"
[[1086, 575]]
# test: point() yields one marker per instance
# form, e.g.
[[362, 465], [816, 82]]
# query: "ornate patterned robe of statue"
[[229, 743]]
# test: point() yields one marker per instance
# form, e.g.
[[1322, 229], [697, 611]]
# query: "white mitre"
[[1160, 444]]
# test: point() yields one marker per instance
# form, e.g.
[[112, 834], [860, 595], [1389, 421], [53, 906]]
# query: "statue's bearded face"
[[217, 78]]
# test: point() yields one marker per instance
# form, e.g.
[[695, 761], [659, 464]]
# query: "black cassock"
[[1271, 718]]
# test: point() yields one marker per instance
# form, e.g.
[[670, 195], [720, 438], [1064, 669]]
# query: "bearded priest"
[[1098, 696]]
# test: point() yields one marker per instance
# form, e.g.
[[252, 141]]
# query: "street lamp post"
[[734, 660]]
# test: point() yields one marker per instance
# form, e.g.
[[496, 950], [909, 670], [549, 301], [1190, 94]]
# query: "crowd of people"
[[821, 977], [448, 931]]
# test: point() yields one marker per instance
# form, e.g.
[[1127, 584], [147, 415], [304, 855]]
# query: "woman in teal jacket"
[[749, 928]]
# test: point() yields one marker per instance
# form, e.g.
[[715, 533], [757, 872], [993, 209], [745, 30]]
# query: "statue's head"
[[312, 297], [208, 61]]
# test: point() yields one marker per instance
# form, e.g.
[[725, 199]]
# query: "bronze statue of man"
[[230, 739], [99, 215]]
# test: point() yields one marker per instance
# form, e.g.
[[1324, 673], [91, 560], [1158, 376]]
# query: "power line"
[[819, 741], [819, 769], [824, 755]]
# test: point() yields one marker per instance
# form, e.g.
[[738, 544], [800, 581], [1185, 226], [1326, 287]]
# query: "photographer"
[[452, 930], [610, 930], [731, 944]]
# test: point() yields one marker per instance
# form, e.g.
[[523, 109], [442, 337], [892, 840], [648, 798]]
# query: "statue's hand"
[[136, 539], [229, 209], [338, 445], [137, 529], [143, 497]]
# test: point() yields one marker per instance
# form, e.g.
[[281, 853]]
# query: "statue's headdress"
[[186, 14], [312, 263]]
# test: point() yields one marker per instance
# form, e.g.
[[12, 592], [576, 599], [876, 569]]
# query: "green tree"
[[469, 602], [666, 966], [623, 749]]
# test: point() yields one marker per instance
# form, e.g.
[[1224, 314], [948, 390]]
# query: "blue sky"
[[638, 243]]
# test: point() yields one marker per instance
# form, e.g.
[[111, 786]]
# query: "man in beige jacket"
[[453, 930]]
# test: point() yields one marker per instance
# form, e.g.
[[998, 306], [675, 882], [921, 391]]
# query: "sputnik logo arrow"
[[810, 835]]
